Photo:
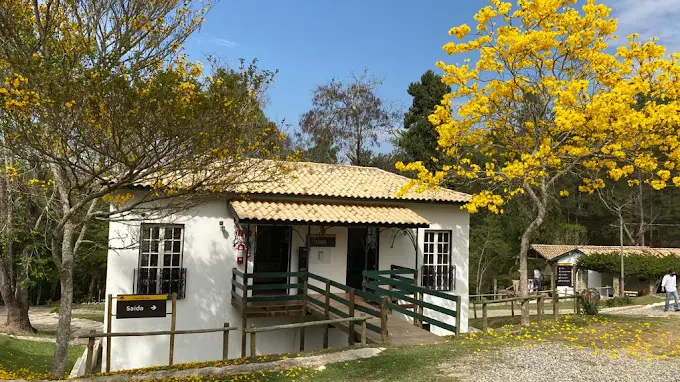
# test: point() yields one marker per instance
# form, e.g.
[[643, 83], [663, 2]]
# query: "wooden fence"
[[302, 325], [349, 302], [93, 335], [396, 285], [540, 306]]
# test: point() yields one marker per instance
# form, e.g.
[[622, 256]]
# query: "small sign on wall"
[[140, 306], [321, 240], [565, 275]]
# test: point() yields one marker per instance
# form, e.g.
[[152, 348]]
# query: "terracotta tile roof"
[[343, 181], [552, 251], [265, 177], [302, 212]]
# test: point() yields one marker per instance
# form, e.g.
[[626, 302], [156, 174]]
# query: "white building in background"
[[564, 258], [334, 221]]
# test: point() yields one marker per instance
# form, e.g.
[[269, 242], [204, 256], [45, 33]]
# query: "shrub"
[[589, 301], [617, 301]]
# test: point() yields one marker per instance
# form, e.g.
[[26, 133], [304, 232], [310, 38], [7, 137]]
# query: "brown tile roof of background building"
[[328, 213], [552, 251]]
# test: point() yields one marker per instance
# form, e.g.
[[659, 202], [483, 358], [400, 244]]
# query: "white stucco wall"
[[209, 257], [449, 217]]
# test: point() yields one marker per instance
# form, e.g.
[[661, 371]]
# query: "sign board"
[[141, 305], [321, 240], [565, 275]]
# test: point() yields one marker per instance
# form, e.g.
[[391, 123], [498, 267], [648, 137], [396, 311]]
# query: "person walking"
[[670, 286], [537, 279]]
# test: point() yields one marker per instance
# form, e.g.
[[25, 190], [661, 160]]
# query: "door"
[[272, 249], [362, 254]]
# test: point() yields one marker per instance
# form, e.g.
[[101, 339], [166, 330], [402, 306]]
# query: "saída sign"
[[141, 306]]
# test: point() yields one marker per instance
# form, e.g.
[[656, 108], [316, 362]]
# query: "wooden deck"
[[399, 331]]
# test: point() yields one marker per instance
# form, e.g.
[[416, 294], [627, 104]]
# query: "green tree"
[[490, 252], [98, 93], [418, 141], [345, 122]]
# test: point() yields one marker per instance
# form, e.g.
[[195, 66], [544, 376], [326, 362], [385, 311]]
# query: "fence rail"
[[393, 289], [396, 287], [93, 335], [302, 325], [540, 306]]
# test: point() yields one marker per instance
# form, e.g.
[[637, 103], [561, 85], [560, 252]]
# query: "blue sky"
[[312, 42]]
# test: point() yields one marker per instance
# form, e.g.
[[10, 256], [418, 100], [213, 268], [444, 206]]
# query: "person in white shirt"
[[669, 285], [537, 279]]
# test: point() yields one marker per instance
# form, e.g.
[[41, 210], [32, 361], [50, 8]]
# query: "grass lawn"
[[547, 304], [643, 337], [23, 359], [96, 306], [90, 316]]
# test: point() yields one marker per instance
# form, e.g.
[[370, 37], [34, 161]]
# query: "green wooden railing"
[[321, 297], [395, 289], [399, 284], [350, 302], [240, 286]]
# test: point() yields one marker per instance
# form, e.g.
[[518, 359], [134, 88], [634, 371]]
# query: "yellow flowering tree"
[[542, 92], [99, 93]]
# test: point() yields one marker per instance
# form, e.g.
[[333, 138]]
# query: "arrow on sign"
[[153, 307]]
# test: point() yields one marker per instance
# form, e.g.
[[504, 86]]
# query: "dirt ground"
[[46, 322]]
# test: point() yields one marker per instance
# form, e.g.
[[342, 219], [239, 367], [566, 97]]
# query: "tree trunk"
[[66, 302], [91, 288], [541, 208], [15, 297], [18, 320], [17, 313]]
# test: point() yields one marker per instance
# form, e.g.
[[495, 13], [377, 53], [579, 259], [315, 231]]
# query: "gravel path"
[[553, 362], [653, 310]]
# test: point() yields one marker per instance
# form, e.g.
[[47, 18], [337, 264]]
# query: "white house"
[[331, 221], [565, 257]]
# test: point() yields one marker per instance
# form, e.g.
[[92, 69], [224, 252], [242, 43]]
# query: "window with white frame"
[[437, 271], [160, 260]]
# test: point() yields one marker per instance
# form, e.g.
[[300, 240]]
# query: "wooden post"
[[244, 319], [302, 337], [553, 276], [363, 332], [578, 303], [419, 309], [539, 308], [253, 347], [474, 307], [225, 343], [418, 296], [383, 319], [556, 307], [326, 312], [575, 304], [485, 322], [495, 288], [90, 352], [512, 307], [305, 292], [109, 305], [173, 322], [304, 297], [459, 309], [351, 314]]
